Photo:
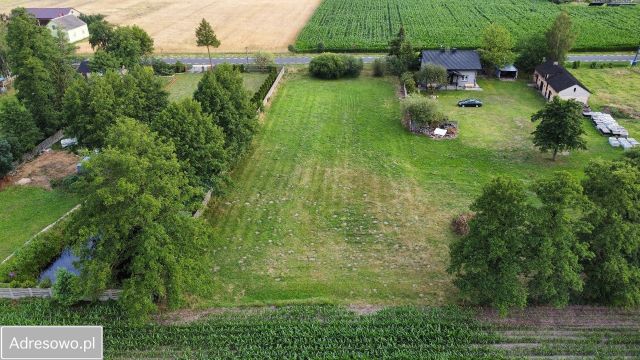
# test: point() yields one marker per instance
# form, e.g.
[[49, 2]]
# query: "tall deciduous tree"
[[560, 127], [532, 52], [6, 159], [199, 143], [557, 251], [497, 46], [205, 36], [488, 262], [222, 95], [613, 274], [560, 38], [4, 50], [18, 127], [133, 218]]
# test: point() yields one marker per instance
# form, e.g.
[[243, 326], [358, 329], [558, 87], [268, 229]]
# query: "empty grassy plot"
[[339, 203], [185, 84], [27, 210], [616, 88]]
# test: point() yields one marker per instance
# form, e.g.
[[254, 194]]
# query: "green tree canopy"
[[560, 127], [103, 61], [532, 52], [6, 159], [133, 218], [558, 253], [497, 46], [560, 38], [613, 274], [18, 127], [100, 33], [432, 76], [205, 36], [488, 263], [222, 95], [198, 140]]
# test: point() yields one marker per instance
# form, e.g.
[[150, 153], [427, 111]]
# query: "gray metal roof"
[[508, 68], [48, 13], [453, 59], [68, 22], [557, 76]]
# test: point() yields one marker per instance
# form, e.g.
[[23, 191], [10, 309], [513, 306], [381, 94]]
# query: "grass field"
[[27, 210], [254, 24], [186, 84], [338, 203], [617, 88], [370, 24]]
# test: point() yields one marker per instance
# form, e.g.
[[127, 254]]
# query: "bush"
[[320, 47], [29, 261], [6, 158], [395, 65], [258, 97], [264, 59], [576, 64], [45, 284], [334, 66], [66, 290], [161, 68], [179, 67], [422, 111], [291, 48], [409, 82], [379, 67], [593, 65]]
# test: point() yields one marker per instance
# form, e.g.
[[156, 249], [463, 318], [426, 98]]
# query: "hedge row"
[[258, 97]]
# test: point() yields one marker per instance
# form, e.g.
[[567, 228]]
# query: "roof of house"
[[453, 59], [49, 13], [68, 22], [509, 67], [83, 68], [557, 76]]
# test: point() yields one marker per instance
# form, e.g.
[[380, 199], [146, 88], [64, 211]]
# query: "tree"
[[17, 125], [400, 47], [432, 76], [560, 127], [132, 230], [497, 45], [422, 111], [557, 250], [198, 140], [264, 59], [149, 98], [532, 52], [6, 159], [488, 263], [222, 95], [613, 274], [103, 61], [560, 38], [205, 36], [335, 66], [90, 19], [129, 44], [395, 45], [4, 50], [100, 33]]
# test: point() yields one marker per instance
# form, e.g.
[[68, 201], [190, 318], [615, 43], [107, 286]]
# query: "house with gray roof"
[[69, 25], [553, 80], [462, 66], [45, 15]]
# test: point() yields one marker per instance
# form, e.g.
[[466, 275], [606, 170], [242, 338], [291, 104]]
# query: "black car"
[[470, 103]]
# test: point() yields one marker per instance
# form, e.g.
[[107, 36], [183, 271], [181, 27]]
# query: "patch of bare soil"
[[51, 165]]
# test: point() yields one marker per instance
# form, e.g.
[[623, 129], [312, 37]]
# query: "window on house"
[[464, 78], [574, 89]]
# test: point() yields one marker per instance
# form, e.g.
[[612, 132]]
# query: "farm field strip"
[[364, 25]]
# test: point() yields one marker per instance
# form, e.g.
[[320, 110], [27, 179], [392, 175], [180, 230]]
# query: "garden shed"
[[508, 72]]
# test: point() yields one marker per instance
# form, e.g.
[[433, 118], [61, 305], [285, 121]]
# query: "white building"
[[553, 80], [73, 28]]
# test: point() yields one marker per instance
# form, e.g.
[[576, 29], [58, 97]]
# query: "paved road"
[[302, 60]]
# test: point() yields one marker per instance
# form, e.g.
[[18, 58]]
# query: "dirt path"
[[51, 165]]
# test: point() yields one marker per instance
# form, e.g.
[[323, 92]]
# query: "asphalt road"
[[302, 60]]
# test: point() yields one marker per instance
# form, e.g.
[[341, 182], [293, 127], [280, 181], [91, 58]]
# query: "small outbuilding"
[[508, 72]]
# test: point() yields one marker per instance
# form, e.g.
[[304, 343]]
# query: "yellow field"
[[240, 24]]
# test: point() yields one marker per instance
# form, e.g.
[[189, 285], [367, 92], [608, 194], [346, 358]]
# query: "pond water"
[[64, 261]]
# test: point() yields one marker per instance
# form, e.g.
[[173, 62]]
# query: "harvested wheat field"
[[269, 25]]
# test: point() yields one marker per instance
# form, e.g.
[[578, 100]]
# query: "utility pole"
[[635, 59], [247, 54]]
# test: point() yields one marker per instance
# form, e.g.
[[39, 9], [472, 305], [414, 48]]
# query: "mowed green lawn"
[[24, 211], [339, 203], [186, 84]]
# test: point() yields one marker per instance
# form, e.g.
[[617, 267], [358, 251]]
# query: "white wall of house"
[[73, 35], [575, 92], [468, 77]]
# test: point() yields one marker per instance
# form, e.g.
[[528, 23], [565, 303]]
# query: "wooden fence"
[[272, 91], [23, 293], [47, 143]]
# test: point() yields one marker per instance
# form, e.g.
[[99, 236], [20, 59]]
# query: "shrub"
[[264, 59], [320, 47], [593, 65], [6, 158], [179, 67], [395, 65], [161, 68], [66, 290], [576, 64], [45, 284], [379, 67], [334, 66], [291, 48], [422, 111], [409, 82], [29, 261]]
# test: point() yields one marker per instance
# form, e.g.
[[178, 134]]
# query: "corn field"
[[368, 25]]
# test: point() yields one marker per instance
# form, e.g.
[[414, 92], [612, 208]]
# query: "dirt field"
[[254, 24], [39, 172]]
